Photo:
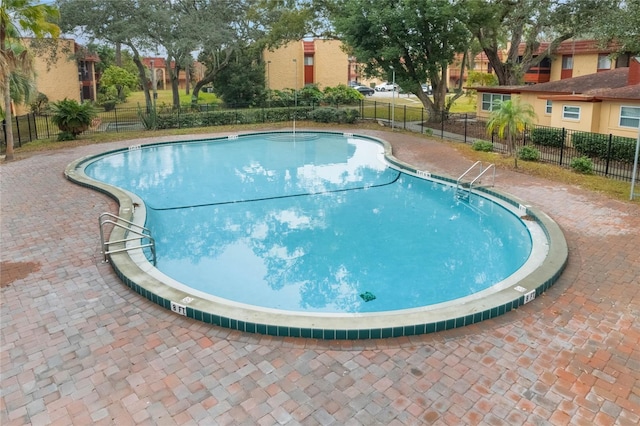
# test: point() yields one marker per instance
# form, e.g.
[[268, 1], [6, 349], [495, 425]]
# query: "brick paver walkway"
[[78, 347]]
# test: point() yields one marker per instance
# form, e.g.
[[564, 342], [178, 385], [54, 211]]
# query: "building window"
[[604, 62], [548, 107], [567, 62], [308, 60], [571, 112], [630, 117], [490, 99]]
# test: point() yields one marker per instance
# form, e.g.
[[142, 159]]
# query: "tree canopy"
[[18, 17], [413, 39], [505, 24], [620, 23]]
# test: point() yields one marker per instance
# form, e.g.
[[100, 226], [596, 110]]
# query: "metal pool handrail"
[[144, 233]]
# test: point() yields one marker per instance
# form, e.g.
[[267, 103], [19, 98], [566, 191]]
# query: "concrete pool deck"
[[79, 347]]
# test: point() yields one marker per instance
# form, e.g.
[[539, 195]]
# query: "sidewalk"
[[78, 347]]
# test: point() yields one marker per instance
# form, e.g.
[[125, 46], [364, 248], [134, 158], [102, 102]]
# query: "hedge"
[[334, 115], [597, 145], [220, 118], [547, 136]]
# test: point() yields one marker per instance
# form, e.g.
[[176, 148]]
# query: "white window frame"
[[604, 62], [635, 118], [549, 107], [487, 104], [571, 115]]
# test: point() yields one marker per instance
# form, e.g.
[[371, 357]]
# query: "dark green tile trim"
[[328, 334]]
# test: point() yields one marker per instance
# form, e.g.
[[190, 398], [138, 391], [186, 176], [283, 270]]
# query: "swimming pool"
[[317, 236]]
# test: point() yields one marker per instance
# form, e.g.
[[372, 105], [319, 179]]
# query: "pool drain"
[[367, 296]]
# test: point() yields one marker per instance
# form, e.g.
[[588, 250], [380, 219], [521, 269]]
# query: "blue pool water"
[[314, 223]]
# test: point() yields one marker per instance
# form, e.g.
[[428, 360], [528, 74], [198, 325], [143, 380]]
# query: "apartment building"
[[316, 61], [603, 101], [69, 73]]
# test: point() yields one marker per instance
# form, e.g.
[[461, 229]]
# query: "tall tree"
[[114, 21], [509, 119], [416, 39], [503, 25], [16, 17], [620, 24], [242, 81]]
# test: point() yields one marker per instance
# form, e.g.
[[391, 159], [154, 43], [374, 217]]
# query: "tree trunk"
[[187, 80], [142, 72], [7, 116], [119, 54]]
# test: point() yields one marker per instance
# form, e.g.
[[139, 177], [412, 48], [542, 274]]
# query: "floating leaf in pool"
[[367, 296]]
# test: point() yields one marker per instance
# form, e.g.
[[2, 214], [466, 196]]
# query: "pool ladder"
[[140, 233], [464, 188]]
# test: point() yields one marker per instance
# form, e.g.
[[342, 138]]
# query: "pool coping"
[[136, 272]]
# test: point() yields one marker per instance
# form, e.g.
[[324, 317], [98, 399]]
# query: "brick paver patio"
[[79, 347]]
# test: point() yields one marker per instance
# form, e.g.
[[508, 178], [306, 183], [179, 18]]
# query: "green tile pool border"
[[134, 275]]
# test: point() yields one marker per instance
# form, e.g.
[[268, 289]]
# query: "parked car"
[[386, 86], [367, 91], [353, 84], [426, 88]]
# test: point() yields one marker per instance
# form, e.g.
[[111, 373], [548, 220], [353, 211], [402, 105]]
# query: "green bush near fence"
[[597, 145], [528, 153], [582, 165], [484, 146], [547, 136], [334, 115], [230, 117]]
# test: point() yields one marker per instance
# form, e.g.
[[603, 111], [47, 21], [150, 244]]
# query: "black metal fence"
[[611, 156]]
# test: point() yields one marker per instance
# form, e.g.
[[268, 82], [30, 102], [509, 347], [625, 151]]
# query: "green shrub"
[[528, 153], [71, 116], [174, 120], [547, 136], [40, 104], [481, 145], [334, 115], [597, 145], [341, 95], [351, 115], [324, 115], [66, 136], [582, 165]]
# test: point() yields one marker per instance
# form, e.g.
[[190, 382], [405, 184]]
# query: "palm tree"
[[16, 16], [510, 118]]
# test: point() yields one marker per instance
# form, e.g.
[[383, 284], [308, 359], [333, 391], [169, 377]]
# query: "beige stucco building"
[[68, 73], [606, 101], [318, 61]]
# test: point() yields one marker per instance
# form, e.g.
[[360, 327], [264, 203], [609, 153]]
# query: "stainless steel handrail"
[[461, 186], [143, 233]]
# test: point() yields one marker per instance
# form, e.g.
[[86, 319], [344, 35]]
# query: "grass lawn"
[[464, 104], [166, 97]]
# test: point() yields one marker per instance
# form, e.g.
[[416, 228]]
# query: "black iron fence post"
[[606, 169], [465, 128], [422, 121], [115, 116], [29, 117], [441, 124], [404, 119], [563, 143], [18, 132]]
